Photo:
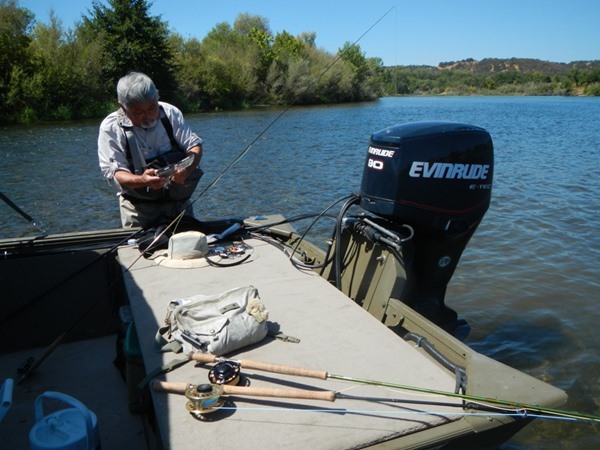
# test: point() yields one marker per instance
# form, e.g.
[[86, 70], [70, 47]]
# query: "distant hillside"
[[493, 76], [491, 66]]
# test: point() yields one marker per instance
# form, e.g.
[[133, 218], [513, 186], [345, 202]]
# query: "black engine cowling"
[[437, 175]]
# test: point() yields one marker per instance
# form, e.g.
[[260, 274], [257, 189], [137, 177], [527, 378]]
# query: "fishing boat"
[[361, 351]]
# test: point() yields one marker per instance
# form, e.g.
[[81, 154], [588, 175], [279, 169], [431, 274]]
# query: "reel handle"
[[266, 367], [180, 388]]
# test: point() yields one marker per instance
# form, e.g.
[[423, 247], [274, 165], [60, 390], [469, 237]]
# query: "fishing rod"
[[245, 151], [521, 408], [27, 217], [226, 389], [306, 394], [289, 106], [207, 398], [177, 219], [275, 120], [31, 364]]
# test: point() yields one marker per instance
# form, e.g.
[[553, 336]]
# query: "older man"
[[139, 139]]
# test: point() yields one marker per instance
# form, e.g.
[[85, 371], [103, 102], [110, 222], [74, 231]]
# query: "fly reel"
[[204, 398], [226, 372]]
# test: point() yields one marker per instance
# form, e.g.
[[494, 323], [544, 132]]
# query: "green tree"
[[259, 49], [367, 73], [289, 71], [53, 70], [47, 72], [190, 59], [286, 45], [355, 59], [16, 68], [229, 73], [69, 71], [335, 81], [133, 40], [375, 80]]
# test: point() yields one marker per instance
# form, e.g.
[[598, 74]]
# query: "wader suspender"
[[133, 152]]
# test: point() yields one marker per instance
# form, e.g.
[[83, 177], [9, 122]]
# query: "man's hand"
[[148, 179], [180, 175], [152, 181]]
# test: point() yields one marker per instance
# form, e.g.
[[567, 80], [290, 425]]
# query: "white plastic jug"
[[75, 428]]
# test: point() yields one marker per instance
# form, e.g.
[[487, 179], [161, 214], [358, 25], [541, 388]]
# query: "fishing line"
[[69, 277], [342, 411], [214, 392], [279, 116], [288, 107], [525, 408], [177, 220]]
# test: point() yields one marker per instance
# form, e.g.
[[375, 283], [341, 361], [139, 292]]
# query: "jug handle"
[[39, 412], [6, 394]]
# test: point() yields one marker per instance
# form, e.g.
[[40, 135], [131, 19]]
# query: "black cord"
[[316, 219]]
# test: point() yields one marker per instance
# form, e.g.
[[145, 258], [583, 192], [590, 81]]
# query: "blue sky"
[[413, 32]]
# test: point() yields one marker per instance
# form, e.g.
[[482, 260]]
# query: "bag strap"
[[136, 157], [169, 129], [165, 368], [162, 344]]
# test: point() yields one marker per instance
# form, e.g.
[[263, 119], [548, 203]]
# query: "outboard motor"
[[435, 177]]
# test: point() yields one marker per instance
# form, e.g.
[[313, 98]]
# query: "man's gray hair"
[[136, 87]]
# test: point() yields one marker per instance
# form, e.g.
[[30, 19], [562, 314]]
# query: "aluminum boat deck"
[[336, 335]]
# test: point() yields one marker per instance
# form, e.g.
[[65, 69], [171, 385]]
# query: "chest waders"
[[138, 165]]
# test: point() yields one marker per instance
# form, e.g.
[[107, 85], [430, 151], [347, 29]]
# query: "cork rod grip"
[[328, 396], [266, 367], [180, 388], [173, 388], [284, 370]]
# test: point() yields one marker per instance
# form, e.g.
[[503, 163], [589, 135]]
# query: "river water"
[[528, 282]]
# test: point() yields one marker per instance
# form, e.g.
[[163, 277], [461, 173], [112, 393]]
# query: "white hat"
[[186, 251]]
